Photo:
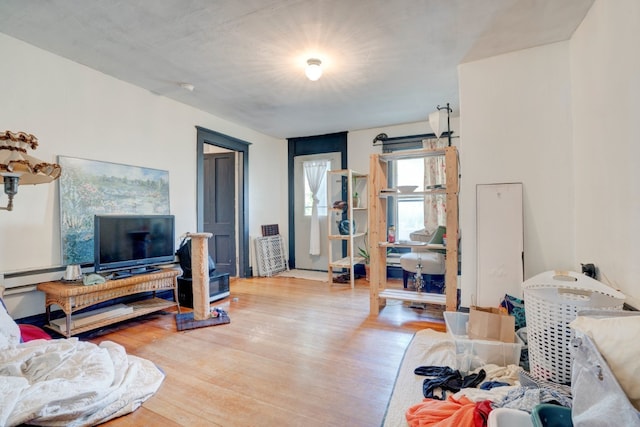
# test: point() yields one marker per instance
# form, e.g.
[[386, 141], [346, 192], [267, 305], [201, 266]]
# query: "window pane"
[[410, 217], [322, 194], [410, 172], [410, 212]]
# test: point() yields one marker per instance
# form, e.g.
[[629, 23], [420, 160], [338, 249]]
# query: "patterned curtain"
[[434, 174]]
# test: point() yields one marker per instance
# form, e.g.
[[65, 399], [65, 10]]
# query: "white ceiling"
[[385, 61]]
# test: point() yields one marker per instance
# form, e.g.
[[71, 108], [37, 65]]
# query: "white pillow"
[[617, 341], [9, 330]]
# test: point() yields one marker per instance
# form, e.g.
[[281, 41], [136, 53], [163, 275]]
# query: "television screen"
[[133, 241]]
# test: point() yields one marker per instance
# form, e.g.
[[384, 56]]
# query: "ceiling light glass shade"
[[438, 122], [314, 69], [14, 160]]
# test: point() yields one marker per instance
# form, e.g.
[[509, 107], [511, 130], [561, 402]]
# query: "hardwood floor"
[[296, 353]]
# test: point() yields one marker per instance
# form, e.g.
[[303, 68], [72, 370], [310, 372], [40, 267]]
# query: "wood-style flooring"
[[296, 353]]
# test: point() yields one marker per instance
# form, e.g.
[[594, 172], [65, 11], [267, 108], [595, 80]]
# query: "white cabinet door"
[[500, 242]]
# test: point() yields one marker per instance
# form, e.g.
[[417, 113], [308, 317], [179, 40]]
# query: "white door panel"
[[500, 242]]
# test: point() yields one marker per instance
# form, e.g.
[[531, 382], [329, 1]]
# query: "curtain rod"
[[382, 137], [418, 138]]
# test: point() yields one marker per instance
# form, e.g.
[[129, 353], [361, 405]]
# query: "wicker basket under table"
[[71, 298]]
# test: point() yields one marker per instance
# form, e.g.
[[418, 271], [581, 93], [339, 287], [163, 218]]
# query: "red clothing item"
[[442, 413], [481, 414], [30, 332]]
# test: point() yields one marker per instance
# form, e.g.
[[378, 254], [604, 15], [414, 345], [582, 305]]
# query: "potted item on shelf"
[[355, 197], [364, 253], [391, 234], [346, 227], [340, 204]]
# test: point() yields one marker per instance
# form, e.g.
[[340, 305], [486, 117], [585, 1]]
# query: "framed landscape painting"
[[91, 187]]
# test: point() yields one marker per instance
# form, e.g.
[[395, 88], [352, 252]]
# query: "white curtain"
[[315, 172], [434, 174]]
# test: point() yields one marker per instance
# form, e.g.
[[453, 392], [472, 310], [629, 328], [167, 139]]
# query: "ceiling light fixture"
[[314, 69], [187, 86]]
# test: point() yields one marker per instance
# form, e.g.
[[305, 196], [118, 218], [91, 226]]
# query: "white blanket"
[[67, 382], [427, 348]]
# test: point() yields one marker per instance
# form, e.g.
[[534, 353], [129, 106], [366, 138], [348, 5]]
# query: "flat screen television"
[[133, 242]]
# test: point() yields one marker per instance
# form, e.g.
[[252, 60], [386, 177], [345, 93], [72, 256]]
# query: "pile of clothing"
[[451, 399]]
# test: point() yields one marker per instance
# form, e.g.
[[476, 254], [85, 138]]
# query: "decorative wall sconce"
[[19, 168]]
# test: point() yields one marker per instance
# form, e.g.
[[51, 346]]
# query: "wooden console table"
[[71, 298]]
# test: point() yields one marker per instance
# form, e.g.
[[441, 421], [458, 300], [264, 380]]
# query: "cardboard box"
[[489, 323]]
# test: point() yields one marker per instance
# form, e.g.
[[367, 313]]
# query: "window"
[[409, 214], [322, 191]]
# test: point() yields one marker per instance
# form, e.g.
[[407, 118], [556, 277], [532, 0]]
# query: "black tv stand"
[[122, 274], [143, 270]]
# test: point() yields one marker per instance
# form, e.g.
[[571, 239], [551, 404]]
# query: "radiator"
[[271, 255]]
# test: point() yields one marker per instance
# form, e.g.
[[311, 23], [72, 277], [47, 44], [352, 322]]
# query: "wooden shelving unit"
[[378, 180], [340, 183]]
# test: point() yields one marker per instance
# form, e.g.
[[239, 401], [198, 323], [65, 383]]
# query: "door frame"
[[329, 143], [302, 223], [207, 136]]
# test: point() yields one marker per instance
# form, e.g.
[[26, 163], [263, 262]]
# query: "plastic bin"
[[507, 417], [472, 354], [548, 415], [552, 300]]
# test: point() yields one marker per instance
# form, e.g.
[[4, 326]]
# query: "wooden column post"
[[200, 269], [377, 232], [451, 260]]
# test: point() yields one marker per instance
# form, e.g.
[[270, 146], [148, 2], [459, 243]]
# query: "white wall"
[[515, 122], [360, 142], [605, 82], [79, 112]]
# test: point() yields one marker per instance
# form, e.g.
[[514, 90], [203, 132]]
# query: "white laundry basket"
[[552, 300]]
